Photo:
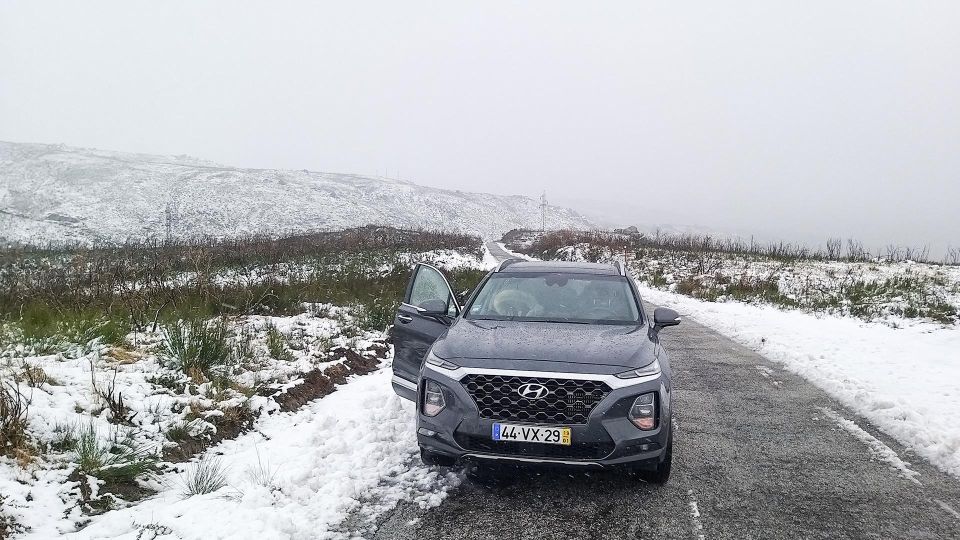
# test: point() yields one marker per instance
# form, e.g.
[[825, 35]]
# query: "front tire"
[[432, 459], [661, 474]]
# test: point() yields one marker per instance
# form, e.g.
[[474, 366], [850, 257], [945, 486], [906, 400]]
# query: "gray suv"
[[547, 362]]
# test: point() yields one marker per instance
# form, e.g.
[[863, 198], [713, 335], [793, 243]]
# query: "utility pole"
[[169, 222], [543, 211]]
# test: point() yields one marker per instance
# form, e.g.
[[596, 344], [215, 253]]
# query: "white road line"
[[947, 508], [876, 446], [695, 516]]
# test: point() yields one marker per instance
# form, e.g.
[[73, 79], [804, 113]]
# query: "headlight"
[[643, 413], [433, 401], [652, 368], [435, 360]]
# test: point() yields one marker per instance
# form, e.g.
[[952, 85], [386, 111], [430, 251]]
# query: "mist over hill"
[[57, 193]]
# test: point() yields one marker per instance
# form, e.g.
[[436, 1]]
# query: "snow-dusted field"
[[43, 492], [876, 290]]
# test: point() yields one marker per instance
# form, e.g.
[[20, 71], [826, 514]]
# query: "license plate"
[[537, 434]]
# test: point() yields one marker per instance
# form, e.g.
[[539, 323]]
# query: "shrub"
[[170, 381], [8, 526], [64, 437], [118, 460], [113, 399], [197, 348], [179, 432], [34, 376], [204, 476], [243, 347], [14, 408], [277, 343]]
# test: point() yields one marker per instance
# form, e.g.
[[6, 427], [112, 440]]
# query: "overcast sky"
[[796, 120]]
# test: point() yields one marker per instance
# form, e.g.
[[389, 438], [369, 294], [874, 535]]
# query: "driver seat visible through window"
[[606, 295]]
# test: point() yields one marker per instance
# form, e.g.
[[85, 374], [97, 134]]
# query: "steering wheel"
[[513, 302]]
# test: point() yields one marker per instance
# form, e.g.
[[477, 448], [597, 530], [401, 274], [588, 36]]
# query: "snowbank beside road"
[[905, 380], [352, 452]]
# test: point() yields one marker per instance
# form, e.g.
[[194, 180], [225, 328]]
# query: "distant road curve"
[[497, 251]]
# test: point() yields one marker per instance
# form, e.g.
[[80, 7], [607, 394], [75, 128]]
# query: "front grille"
[[568, 401], [593, 450]]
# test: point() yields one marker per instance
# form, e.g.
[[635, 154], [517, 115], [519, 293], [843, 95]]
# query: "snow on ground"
[[514, 253], [488, 261], [449, 259], [43, 496], [904, 380], [298, 475]]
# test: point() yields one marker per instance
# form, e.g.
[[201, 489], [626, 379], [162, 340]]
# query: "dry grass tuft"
[[14, 410]]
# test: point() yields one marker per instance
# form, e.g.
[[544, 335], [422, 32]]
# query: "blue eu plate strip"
[[496, 432]]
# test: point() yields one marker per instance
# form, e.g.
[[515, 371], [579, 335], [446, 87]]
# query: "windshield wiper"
[[569, 321]]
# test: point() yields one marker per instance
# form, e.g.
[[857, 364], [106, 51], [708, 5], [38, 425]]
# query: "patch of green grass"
[[277, 343], [179, 432], [51, 330], [657, 278], [64, 437], [378, 314], [749, 289], [170, 381], [197, 348], [118, 460]]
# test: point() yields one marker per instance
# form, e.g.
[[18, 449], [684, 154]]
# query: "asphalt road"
[[497, 251], [756, 456]]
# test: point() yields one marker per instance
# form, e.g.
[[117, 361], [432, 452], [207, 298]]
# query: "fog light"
[[433, 401], [643, 413]]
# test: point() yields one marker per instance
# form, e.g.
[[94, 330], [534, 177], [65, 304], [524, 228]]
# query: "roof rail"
[[507, 262], [620, 268]]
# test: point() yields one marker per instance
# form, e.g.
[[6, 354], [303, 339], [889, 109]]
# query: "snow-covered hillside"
[[64, 194]]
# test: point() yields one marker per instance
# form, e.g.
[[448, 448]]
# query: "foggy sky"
[[792, 120]]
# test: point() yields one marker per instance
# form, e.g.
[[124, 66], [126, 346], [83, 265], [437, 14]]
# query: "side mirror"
[[663, 317], [432, 307], [438, 309]]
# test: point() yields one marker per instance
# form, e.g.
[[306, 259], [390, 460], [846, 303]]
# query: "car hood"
[[563, 347]]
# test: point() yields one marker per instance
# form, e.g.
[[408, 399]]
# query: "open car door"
[[429, 307]]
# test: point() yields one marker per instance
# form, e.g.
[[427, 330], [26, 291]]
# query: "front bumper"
[[606, 439]]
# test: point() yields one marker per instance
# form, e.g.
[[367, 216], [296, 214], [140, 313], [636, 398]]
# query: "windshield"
[[555, 297]]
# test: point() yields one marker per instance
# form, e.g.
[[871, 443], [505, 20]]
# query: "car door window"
[[430, 287]]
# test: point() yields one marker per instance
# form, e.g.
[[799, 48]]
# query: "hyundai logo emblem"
[[533, 391]]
